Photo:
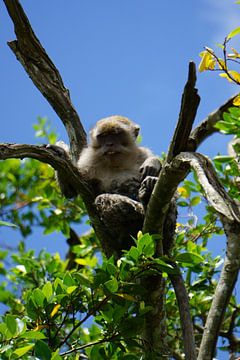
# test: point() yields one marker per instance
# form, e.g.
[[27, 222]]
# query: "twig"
[[90, 344]]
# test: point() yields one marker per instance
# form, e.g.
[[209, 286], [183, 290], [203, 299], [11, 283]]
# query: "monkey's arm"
[[151, 166]]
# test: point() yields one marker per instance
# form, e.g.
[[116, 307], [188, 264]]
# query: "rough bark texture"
[[45, 75]]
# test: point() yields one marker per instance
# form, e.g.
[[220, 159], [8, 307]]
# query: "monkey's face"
[[114, 136], [113, 143]]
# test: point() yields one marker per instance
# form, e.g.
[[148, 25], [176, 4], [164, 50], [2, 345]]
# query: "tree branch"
[[225, 286], [189, 106], [47, 155], [45, 75], [185, 316], [207, 126]]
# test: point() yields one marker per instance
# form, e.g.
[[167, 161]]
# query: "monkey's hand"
[[150, 167], [61, 149], [146, 189]]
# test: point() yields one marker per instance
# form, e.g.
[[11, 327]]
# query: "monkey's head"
[[114, 135]]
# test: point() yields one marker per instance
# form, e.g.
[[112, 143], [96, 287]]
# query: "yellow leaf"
[[55, 310], [207, 62], [126, 296], [71, 289], [234, 76], [183, 192], [233, 33], [81, 261], [139, 235], [222, 64], [40, 327], [236, 100]]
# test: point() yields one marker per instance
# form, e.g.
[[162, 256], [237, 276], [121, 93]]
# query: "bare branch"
[[185, 316], [227, 281], [207, 126], [45, 75], [189, 105]]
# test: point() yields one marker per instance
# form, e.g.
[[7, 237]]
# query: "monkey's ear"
[[136, 130]]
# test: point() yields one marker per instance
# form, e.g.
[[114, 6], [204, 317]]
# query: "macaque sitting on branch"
[[122, 175]]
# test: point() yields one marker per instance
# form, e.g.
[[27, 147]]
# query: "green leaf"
[[163, 266], [233, 33], [146, 245], [47, 290], [183, 203], [111, 285], [134, 253], [111, 269], [5, 223], [71, 289], [190, 258], [223, 159], [68, 280], [35, 335], [23, 350], [195, 200], [11, 324], [38, 297], [42, 351]]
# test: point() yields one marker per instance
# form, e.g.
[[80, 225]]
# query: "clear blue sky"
[[126, 57]]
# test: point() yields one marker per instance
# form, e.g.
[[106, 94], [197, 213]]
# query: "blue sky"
[[118, 57], [126, 57]]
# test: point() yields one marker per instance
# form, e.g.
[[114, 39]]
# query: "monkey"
[[115, 160], [122, 175]]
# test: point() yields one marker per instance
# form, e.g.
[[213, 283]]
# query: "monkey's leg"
[[122, 218]]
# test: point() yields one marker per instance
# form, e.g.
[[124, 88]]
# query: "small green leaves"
[[5, 223], [111, 285], [146, 245], [23, 350], [189, 258]]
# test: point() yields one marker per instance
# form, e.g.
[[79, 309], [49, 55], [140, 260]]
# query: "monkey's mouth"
[[111, 152]]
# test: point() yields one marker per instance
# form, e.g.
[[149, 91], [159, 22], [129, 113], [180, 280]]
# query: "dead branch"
[[207, 126], [189, 106], [45, 75]]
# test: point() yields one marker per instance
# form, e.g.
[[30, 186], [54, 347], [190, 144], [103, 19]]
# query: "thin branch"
[[185, 316], [97, 342], [207, 126], [45, 75]]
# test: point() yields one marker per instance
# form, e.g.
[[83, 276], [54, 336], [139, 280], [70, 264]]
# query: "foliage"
[[95, 307]]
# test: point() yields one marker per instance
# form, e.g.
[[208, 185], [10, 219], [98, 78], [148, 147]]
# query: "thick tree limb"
[[46, 155], [45, 75], [207, 126], [189, 106], [227, 281]]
